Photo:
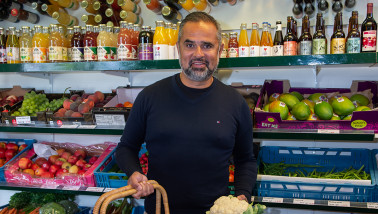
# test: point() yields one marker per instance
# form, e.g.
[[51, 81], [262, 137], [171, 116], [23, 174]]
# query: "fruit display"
[[8, 150], [10, 100], [231, 204], [126, 104]]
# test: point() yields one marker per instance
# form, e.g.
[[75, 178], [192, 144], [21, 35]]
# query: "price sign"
[[109, 189], [303, 201], [110, 119], [328, 131], [371, 205], [95, 189], [87, 127], [69, 126], [339, 203], [272, 200], [72, 188], [23, 120]]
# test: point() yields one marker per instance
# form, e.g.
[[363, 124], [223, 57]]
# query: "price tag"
[[371, 205], [69, 126], [49, 186], [303, 201], [272, 200], [109, 189], [110, 119], [74, 188], [87, 127], [329, 131], [95, 189], [23, 120], [339, 203]]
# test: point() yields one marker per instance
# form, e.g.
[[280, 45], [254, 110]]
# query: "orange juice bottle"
[[26, 50], [46, 35], [124, 42], [65, 45], [114, 45], [69, 48], [13, 47], [171, 47], [202, 5], [173, 41], [160, 42], [243, 41], [56, 44], [224, 53], [265, 44], [254, 45]]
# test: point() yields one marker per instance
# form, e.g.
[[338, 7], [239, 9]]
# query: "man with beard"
[[192, 124]]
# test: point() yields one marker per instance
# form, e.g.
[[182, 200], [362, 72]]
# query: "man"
[[192, 124]]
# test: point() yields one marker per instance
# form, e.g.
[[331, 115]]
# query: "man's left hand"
[[242, 197]]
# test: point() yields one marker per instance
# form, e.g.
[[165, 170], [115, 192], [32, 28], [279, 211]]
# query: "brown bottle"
[[290, 40], [369, 31], [338, 36], [353, 43], [26, 16], [305, 40]]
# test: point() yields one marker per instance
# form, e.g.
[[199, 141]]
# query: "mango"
[[280, 107], [289, 99]]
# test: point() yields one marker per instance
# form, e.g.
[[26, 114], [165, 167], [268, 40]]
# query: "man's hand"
[[139, 182], [242, 197]]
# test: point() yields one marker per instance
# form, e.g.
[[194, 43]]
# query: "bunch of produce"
[[297, 170], [231, 170], [120, 207], [34, 203], [317, 106], [10, 100], [126, 104], [57, 165], [232, 205], [8, 151], [143, 160]]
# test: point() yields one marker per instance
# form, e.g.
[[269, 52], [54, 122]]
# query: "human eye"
[[189, 45], [208, 46]]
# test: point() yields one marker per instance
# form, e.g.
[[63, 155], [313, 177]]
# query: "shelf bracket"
[[316, 71], [121, 74]]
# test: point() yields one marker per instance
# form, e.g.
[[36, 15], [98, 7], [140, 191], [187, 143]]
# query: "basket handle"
[[103, 202]]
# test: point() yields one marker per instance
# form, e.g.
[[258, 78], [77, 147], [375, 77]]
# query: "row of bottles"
[[355, 41], [13, 12], [307, 7]]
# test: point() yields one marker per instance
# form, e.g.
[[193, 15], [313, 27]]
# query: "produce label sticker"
[[87, 127], [23, 120], [109, 189], [72, 188], [329, 131], [303, 201], [339, 203], [371, 205], [358, 124], [74, 126], [272, 200], [95, 189]]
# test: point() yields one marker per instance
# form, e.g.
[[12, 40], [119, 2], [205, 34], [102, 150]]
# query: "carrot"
[[3, 211], [35, 211], [12, 211]]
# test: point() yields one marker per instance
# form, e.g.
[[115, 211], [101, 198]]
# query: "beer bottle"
[[353, 44], [319, 40], [290, 40], [305, 40], [338, 36], [278, 41]]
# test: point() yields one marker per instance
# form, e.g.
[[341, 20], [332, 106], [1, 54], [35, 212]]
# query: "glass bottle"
[[173, 4], [225, 45], [103, 44], [99, 19], [77, 46], [202, 5], [40, 44], [124, 51], [100, 7], [90, 44], [65, 19], [135, 40], [171, 47], [353, 43], [70, 32], [160, 42], [265, 43], [319, 40], [254, 45], [3, 46], [38, 7], [114, 5], [129, 16], [270, 34], [290, 40], [65, 44], [50, 9], [56, 44], [88, 19], [13, 47], [278, 41], [305, 40], [145, 46], [128, 5], [71, 4], [369, 31], [88, 6], [26, 50], [233, 45], [338, 36], [113, 15], [188, 5], [171, 14], [243, 41], [153, 5], [6, 15]]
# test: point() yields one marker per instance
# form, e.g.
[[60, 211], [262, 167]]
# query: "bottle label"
[[64, 54], [338, 46], [224, 53], [26, 54], [290, 48], [161, 52], [113, 53], [369, 40], [124, 51], [103, 53], [39, 54], [171, 52], [244, 51], [319, 46], [56, 53], [69, 54], [77, 54], [254, 50], [3, 55], [90, 53], [134, 51], [146, 51], [233, 52], [32, 18], [265, 51], [353, 45], [277, 50], [305, 48], [13, 54]]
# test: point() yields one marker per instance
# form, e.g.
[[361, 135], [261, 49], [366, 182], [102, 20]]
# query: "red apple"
[[53, 158], [66, 155], [39, 161], [23, 146], [72, 159], [60, 151], [60, 161], [39, 171], [53, 169], [28, 171], [81, 163], [92, 160], [87, 166], [73, 169], [3, 145], [9, 154], [81, 154], [66, 165], [2, 152], [12, 146], [47, 175], [46, 165], [24, 163], [34, 166], [81, 172], [2, 162], [61, 172]]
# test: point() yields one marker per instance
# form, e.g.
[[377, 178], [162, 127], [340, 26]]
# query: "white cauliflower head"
[[228, 205]]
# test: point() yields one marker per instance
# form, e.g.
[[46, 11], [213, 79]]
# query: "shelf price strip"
[[339, 203], [303, 201], [328, 131], [272, 200], [95, 189], [109, 189], [371, 205]]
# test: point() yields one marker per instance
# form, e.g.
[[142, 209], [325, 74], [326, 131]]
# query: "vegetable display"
[[120, 207], [232, 205]]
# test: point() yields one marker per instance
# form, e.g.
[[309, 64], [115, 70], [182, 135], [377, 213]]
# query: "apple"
[[39, 171], [46, 165], [53, 169], [3, 145], [72, 159], [92, 160], [81, 163], [61, 172], [9, 154], [12, 146], [24, 163], [23, 146], [34, 166], [66, 155], [73, 169], [87, 166], [60, 161], [29, 171], [81, 172], [53, 158], [66, 165], [2, 152], [60, 151], [81, 154], [2, 162], [39, 161], [47, 175]]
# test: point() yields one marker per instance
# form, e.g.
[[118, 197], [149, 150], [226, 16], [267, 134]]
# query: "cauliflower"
[[229, 205]]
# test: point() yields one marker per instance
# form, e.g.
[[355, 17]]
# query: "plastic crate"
[[138, 210], [28, 142], [104, 178], [83, 210], [374, 157], [312, 188]]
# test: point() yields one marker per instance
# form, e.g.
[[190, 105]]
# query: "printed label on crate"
[[339, 203], [23, 120], [303, 201], [358, 124], [49, 186], [87, 127], [272, 200], [73, 126], [371, 205], [77, 123], [110, 119], [109, 189], [72, 188], [95, 189], [329, 131]]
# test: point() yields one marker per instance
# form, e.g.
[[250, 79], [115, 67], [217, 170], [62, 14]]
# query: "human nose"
[[198, 51]]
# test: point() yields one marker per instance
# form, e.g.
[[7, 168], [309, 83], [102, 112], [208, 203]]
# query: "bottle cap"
[[84, 4], [123, 14], [109, 12], [44, 7], [84, 18], [109, 1], [148, 1], [96, 5], [166, 11], [14, 12], [98, 18]]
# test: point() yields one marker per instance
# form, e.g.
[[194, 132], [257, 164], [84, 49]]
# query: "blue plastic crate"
[[374, 157], [28, 142], [104, 178], [327, 159], [138, 210]]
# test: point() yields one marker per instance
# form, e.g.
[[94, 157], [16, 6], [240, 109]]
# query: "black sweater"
[[190, 135]]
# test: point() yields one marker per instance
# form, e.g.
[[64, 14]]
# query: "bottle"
[[171, 14], [265, 45], [278, 41], [202, 5], [297, 10], [129, 16], [254, 45], [114, 5], [71, 4], [70, 32], [13, 47], [145, 46], [319, 40], [38, 7], [305, 40], [100, 7], [134, 40], [173, 4], [128, 5], [323, 6], [46, 35], [153, 5], [124, 51], [65, 44], [90, 44], [26, 16], [26, 50], [295, 28], [56, 44], [77, 47], [243, 41], [233, 46], [104, 44], [214, 2], [290, 40], [113, 15], [369, 31], [99, 19], [3, 46], [187, 5], [309, 9], [270, 35], [232, 2], [171, 47], [9, 5], [175, 28], [50, 9], [88, 19], [160, 42], [353, 43], [88, 6], [338, 36], [5, 15], [65, 19], [225, 41], [40, 44]]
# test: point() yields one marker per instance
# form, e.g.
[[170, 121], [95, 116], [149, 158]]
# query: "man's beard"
[[199, 74]]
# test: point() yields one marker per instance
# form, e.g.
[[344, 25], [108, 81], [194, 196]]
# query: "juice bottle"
[[202, 5], [225, 45], [114, 46], [26, 50], [88, 19], [13, 47], [88, 6], [50, 8], [77, 47], [56, 44], [124, 43], [233, 46], [65, 45], [135, 41], [71, 4], [153, 5], [188, 5], [3, 48], [265, 45], [171, 48], [145, 46], [129, 16], [243, 41], [176, 39], [160, 43], [254, 45], [46, 35], [90, 44], [270, 34], [173, 41], [65, 19], [69, 48], [104, 43]]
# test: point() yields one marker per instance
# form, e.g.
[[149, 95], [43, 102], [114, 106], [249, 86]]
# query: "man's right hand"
[[139, 182]]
